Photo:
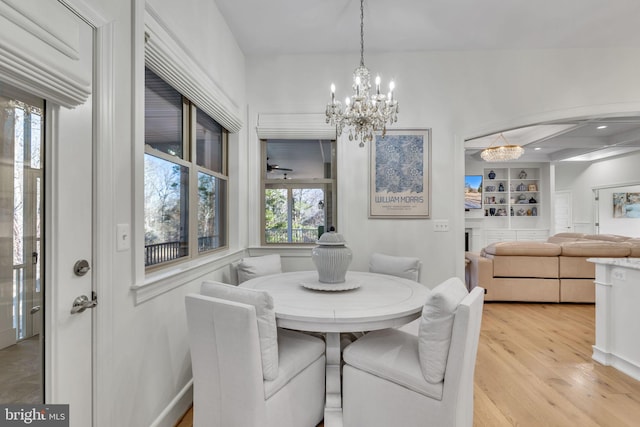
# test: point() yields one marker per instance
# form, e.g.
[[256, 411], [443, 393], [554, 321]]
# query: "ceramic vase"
[[331, 258]]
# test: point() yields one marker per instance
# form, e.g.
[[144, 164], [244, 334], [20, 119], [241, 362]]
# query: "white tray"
[[319, 286]]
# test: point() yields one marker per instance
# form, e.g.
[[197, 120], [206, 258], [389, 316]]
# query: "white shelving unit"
[[520, 203], [511, 192]]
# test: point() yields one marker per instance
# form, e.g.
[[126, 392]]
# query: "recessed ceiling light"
[[538, 148], [602, 127]]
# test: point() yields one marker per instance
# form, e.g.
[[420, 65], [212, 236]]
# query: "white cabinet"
[[538, 235], [502, 235], [494, 236]]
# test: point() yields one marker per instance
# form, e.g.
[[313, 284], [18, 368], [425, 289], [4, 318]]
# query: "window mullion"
[[190, 141], [290, 215]]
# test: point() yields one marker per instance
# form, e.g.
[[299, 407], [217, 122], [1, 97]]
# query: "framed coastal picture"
[[400, 181]]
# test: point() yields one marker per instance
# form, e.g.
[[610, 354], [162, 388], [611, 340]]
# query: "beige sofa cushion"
[[606, 237], [577, 290], [595, 248], [565, 237], [634, 245], [576, 267], [525, 266], [523, 248]]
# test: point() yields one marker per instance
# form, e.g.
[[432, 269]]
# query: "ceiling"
[[576, 140], [332, 26], [280, 27]]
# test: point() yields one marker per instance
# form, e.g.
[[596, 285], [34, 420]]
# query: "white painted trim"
[[176, 409], [137, 136], [583, 111], [50, 249], [294, 126], [171, 278], [103, 173], [104, 229], [24, 66], [26, 16], [171, 60], [618, 362]]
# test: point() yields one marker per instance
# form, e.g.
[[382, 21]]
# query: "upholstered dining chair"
[[406, 267], [250, 267], [392, 377], [246, 371]]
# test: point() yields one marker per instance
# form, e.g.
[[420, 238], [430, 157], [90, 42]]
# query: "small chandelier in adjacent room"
[[501, 153], [363, 113]]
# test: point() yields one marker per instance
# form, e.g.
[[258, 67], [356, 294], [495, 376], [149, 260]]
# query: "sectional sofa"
[[553, 271]]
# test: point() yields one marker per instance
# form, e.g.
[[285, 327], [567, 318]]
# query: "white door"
[[48, 54], [68, 240], [563, 212]]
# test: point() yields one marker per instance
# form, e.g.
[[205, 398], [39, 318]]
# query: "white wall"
[[459, 95], [582, 178]]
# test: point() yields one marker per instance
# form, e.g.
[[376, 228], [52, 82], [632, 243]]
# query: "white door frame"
[[104, 229]]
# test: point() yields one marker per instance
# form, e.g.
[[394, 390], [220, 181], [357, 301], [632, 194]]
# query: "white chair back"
[[406, 267], [228, 385], [461, 361]]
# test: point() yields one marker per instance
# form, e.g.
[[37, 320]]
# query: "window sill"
[[157, 283], [283, 250]]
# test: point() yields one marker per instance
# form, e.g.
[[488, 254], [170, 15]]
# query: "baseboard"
[[7, 337], [610, 359], [176, 409]]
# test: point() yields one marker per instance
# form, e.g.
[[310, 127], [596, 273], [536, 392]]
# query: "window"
[[299, 190], [185, 177]]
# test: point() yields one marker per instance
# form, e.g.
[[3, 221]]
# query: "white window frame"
[[296, 184]]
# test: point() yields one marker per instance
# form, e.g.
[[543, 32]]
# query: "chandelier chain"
[[362, 33]]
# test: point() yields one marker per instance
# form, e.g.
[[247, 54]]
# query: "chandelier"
[[501, 153], [363, 113]]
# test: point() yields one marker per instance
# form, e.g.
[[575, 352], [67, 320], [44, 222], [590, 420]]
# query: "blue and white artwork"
[[400, 164], [400, 175]]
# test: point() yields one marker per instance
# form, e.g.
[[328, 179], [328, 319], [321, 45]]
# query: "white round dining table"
[[377, 301]]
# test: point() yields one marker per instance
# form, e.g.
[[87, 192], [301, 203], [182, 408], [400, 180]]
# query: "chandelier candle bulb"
[[377, 85], [333, 94]]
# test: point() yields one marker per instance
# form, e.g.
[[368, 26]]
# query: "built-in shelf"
[[511, 192]]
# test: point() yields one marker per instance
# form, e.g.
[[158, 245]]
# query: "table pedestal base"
[[333, 399]]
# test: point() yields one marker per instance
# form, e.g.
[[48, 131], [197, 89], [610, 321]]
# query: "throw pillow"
[[267, 330], [258, 266], [436, 326], [406, 267]]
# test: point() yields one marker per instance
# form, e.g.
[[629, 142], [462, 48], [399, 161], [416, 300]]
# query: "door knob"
[[81, 303]]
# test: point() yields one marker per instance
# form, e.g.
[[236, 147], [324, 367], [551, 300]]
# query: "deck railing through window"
[[167, 251], [298, 235]]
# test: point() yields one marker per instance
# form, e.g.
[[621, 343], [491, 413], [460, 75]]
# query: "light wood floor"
[[534, 368]]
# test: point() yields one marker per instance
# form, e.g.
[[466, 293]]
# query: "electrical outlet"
[[441, 225]]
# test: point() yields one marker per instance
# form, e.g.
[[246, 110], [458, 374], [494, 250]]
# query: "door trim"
[[104, 228]]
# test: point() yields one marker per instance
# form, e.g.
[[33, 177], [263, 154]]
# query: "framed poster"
[[626, 205], [400, 174]]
